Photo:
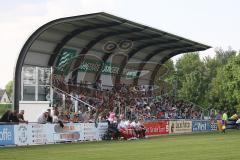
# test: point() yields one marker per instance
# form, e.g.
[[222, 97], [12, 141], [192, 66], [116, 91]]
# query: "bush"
[[4, 107]]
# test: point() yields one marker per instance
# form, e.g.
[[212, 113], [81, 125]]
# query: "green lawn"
[[203, 146]]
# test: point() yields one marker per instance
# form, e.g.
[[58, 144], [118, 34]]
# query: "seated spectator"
[[125, 129], [136, 127], [140, 129]]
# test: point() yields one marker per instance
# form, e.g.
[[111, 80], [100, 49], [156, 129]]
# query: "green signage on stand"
[[88, 65], [65, 56]]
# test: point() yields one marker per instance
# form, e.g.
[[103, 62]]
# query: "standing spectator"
[[20, 116], [86, 116], [111, 116], [43, 118], [55, 116], [219, 120], [49, 117], [13, 117], [224, 121], [6, 116]]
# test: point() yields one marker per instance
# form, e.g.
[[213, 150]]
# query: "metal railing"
[[77, 99]]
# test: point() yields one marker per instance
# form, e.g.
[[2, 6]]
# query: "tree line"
[[211, 82]]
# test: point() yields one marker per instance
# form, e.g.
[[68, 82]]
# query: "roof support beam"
[[136, 50], [138, 38], [157, 67], [162, 61], [149, 56], [74, 33]]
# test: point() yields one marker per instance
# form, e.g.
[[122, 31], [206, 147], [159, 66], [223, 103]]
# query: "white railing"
[[75, 98]]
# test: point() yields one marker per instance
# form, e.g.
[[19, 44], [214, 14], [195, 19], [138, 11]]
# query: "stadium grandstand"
[[85, 67], [99, 77]]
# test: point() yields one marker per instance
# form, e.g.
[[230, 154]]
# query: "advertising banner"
[[180, 126], [102, 129], [41, 133], [33, 133], [156, 128], [70, 132], [198, 125], [90, 131], [6, 134], [22, 134]]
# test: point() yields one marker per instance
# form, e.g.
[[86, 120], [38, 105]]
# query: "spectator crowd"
[[123, 101]]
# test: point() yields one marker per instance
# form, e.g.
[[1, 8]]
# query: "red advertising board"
[[155, 128]]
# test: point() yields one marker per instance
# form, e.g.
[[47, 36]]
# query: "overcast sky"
[[212, 22]]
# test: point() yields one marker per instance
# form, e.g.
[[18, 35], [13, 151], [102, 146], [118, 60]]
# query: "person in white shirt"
[[139, 129], [127, 124], [123, 129], [43, 118], [55, 116], [121, 125], [133, 124], [86, 116], [238, 123]]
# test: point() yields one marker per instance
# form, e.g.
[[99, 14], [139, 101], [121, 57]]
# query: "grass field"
[[202, 146]]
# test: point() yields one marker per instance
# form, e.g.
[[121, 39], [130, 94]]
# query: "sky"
[[212, 22]]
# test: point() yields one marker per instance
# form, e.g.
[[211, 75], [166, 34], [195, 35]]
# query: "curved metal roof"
[[102, 37]]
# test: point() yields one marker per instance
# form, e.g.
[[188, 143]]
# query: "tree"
[[191, 81], [225, 88], [213, 82], [164, 79], [222, 56], [9, 88]]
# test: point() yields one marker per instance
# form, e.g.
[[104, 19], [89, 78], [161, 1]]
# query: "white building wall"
[[33, 109]]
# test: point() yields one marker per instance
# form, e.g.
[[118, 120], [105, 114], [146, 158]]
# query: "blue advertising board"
[[198, 125], [6, 134]]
